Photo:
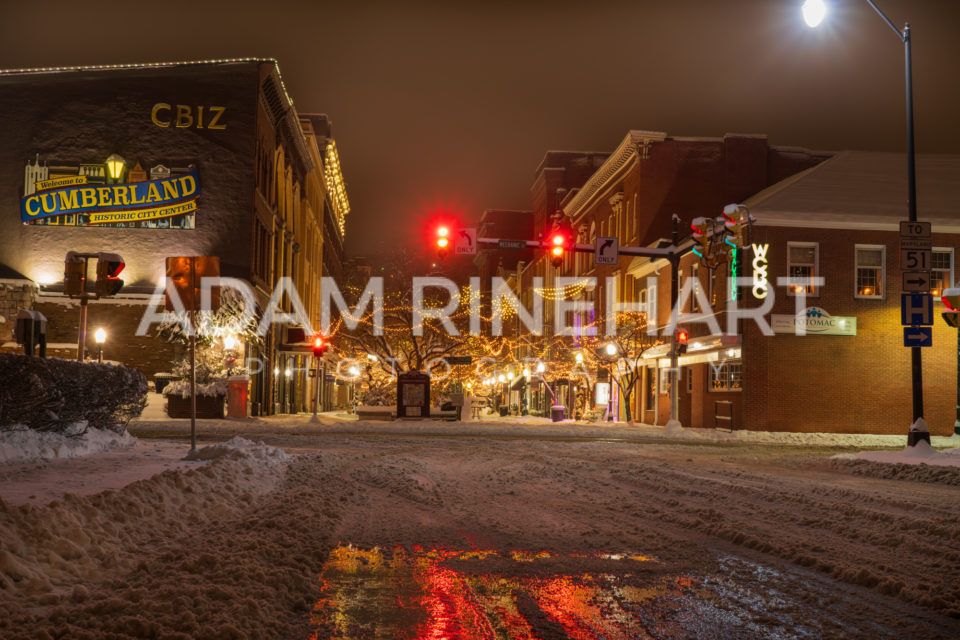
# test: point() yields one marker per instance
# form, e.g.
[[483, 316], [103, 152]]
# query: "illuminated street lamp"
[[813, 13], [100, 336], [229, 343], [115, 167], [611, 349]]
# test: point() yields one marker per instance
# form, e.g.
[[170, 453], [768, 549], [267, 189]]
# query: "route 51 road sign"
[[915, 259]]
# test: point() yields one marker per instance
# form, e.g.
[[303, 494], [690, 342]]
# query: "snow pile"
[[27, 445], [240, 448], [113, 558], [921, 453]]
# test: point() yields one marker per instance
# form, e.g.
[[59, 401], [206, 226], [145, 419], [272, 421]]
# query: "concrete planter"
[[208, 407]]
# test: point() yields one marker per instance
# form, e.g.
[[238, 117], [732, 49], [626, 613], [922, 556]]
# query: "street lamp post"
[[813, 13], [100, 336]]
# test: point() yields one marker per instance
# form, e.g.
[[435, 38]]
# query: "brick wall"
[[853, 384], [147, 353], [14, 296]]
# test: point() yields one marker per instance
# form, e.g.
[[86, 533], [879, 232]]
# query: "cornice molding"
[[634, 145]]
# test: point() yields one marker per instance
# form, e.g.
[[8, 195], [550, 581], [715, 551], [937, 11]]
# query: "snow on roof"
[[863, 188]]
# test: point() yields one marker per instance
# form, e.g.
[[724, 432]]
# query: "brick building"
[[826, 215], [632, 194], [266, 197]]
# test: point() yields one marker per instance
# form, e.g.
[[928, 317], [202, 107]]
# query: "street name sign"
[[916, 309], [918, 336], [512, 244], [607, 251], [916, 281], [465, 241], [459, 359]]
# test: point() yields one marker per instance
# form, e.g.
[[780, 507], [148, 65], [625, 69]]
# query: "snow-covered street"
[[520, 533]]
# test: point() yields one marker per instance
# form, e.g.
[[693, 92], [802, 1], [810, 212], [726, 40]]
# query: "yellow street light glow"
[[100, 336], [813, 12], [558, 251], [579, 357], [611, 349]]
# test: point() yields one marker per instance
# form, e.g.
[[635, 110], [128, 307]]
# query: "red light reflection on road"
[[442, 594]]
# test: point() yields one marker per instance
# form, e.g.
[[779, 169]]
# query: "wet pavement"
[[449, 594]]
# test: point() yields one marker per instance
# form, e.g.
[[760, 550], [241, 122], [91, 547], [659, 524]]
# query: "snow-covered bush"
[[213, 369], [66, 396]]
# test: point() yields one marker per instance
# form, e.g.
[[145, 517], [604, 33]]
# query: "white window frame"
[[950, 276], [716, 372], [816, 266], [883, 271]]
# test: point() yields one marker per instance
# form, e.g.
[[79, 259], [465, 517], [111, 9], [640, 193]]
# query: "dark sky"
[[452, 104]]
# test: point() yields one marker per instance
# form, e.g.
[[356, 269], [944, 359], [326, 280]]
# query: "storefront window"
[[802, 265], [869, 272], [726, 376], [651, 388], [941, 272], [666, 378]]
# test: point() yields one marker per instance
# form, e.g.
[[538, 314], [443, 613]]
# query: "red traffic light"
[[319, 345], [558, 245], [109, 266], [682, 336], [443, 241]]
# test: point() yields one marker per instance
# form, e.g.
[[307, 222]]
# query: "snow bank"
[[239, 447], [921, 453], [26, 445]]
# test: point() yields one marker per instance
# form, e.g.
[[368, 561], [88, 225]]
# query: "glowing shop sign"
[[814, 321], [760, 285]]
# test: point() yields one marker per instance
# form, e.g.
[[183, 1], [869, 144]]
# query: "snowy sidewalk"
[[41, 481]]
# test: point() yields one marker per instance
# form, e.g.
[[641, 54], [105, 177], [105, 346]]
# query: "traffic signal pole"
[[674, 373]]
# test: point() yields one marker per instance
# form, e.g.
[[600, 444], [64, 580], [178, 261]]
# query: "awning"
[[518, 383]]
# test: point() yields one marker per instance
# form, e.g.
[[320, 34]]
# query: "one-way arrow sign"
[[916, 282]]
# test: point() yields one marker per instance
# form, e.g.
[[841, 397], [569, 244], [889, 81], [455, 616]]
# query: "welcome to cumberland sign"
[[168, 200]]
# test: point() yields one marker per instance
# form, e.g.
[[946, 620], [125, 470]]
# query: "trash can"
[[556, 412], [237, 396]]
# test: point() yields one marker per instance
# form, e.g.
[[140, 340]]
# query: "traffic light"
[[733, 226], [108, 266], [320, 345], [701, 245], [558, 246], [443, 241], [74, 274], [682, 337], [951, 300]]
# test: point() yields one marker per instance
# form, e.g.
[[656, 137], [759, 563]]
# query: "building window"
[[689, 373], [803, 265], [941, 271], [666, 378], [651, 389], [728, 376], [870, 271]]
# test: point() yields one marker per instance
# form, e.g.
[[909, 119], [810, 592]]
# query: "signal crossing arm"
[[645, 252]]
